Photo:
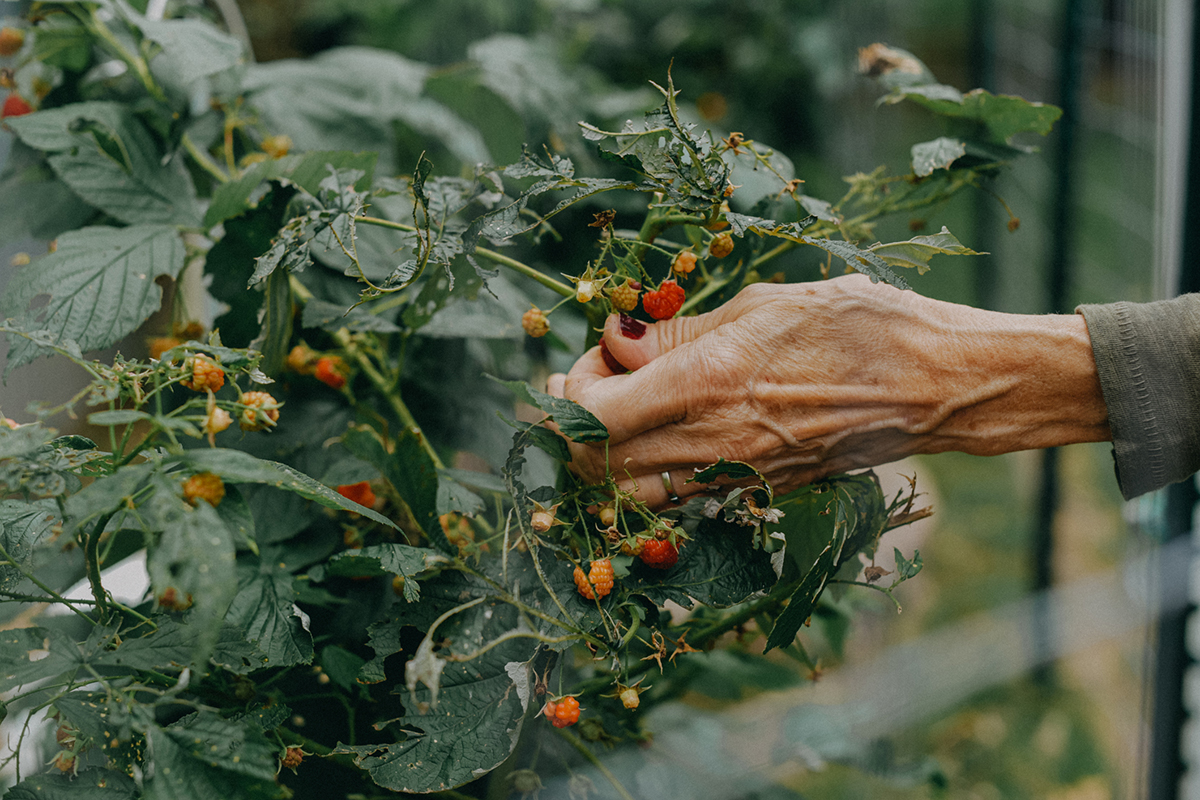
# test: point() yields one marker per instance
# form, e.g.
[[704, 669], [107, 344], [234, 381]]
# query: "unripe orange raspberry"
[[720, 246], [64, 761], [206, 375], [217, 420], [684, 263], [625, 296], [204, 486], [172, 600], [535, 323], [11, 40], [262, 411], [599, 578], [331, 371], [360, 492], [302, 359], [566, 712], [277, 146], [158, 345]]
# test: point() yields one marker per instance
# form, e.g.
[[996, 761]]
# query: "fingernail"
[[632, 328], [610, 360]]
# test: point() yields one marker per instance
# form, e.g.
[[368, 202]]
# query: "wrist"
[[1023, 382]]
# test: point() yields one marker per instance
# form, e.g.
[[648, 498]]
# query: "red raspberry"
[[658, 553], [331, 371], [563, 713], [262, 411], [206, 375], [720, 246], [625, 296], [11, 40], [665, 302], [15, 106], [204, 486], [599, 577], [684, 263], [360, 492], [535, 323]]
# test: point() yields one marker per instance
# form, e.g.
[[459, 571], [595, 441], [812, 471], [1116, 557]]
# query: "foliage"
[[338, 555]]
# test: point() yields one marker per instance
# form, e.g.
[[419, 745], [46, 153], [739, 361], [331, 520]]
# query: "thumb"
[[634, 343]]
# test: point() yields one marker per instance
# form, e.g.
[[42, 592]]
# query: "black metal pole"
[[1171, 656]]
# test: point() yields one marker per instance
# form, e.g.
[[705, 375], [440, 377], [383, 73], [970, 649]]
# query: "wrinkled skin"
[[808, 380]]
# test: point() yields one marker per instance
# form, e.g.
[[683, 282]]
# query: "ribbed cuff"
[[1148, 359]]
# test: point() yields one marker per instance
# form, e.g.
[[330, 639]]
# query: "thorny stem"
[[578, 744], [202, 159], [887, 590], [58, 598], [514, 635]]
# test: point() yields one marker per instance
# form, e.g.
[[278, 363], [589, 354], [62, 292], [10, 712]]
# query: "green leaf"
[[477, 722], [23, 440], [122, 416], [265, 608], [306, 170], [573, 420], [409, 470], [396, 559], [334, 316], [171, 645], [101, 285], [107, 157], [205, 757], [719, 567], [90, 784], [32, 654], [23, 526], [905, 568], [191, 50], [937, 154], [107, 494], [917, 252], [238, 467], [453, 497], [1001, 116]]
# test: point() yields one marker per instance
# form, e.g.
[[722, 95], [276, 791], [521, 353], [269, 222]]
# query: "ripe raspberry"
[[563, 713], [360, 492], [666, 301], [658, 553], [15, 106], [684, 263], [535, 323], [599, 577], [331, 371], [204, 486], [720, 246], [625, 296], [206, 375], [262, 411], [11, 40]]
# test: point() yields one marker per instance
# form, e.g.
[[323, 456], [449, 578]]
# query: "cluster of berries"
[[562, 713], [330, 370]]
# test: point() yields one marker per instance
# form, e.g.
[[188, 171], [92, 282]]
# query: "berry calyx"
[[360, 493], [658, 553], [331, 371], [535, 323], [11, 40], [204, 486], [15, 106], [206, 375], [598, 582], [684, 263], [543, 519], [563, 712], [625, 296], [720, 246], [664, 302], [262, 411]]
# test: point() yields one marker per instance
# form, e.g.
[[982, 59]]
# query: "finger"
[[664, 489], [635, 344]]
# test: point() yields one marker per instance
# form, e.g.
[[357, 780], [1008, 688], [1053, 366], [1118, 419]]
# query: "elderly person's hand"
[[808, 380]]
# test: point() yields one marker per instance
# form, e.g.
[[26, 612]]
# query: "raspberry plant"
[[374, 549]]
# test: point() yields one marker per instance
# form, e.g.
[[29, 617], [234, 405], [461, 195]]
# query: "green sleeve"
[[1148, 359]]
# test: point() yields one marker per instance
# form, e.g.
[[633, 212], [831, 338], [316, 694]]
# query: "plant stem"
[[58, 598], [202, 159], [578, 744]]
